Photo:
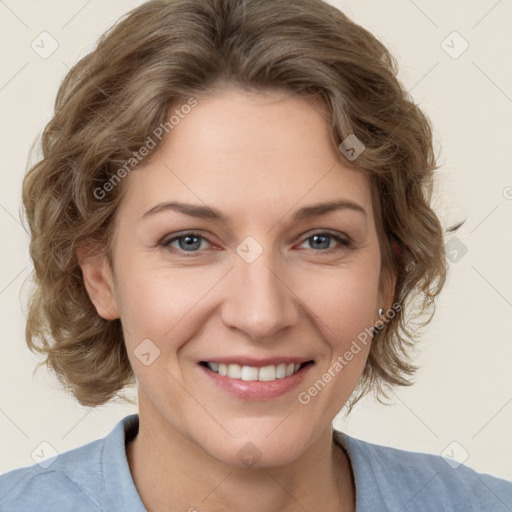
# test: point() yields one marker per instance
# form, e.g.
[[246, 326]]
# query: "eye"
[[188, 242], [192, 242], [321, 241]]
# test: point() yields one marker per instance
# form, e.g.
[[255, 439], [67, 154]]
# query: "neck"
[[171, 472]]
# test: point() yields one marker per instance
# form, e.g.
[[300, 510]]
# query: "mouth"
[[256, 379], [247, 373]]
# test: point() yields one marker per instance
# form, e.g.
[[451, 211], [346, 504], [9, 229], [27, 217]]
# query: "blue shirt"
[[96, 477]]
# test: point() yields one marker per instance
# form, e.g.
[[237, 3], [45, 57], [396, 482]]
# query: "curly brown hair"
[[117, 95]]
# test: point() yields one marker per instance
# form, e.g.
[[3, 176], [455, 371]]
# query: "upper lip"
[[257, 362]]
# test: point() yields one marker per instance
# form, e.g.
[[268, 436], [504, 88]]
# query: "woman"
[[233, 211]]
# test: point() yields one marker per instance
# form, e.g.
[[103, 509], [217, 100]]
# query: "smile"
[[254, 373]]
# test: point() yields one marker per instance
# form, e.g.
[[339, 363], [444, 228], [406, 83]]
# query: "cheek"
[[344, 310], [343, 301], [159, 303]]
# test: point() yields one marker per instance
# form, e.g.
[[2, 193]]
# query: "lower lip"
[[257, 390]]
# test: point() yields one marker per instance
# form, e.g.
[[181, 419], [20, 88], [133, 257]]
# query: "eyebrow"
[[205, 212]]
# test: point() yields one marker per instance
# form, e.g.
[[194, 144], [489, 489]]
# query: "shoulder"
[[72, 479], [92, 477], [421, 481]]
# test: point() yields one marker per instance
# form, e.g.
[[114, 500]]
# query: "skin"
[[257, 159]]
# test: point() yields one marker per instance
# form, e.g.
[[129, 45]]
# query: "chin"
[[260, 448]]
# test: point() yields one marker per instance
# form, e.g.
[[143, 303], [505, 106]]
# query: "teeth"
[[251, 373], [267, 373], [234, 371], [281, 371]]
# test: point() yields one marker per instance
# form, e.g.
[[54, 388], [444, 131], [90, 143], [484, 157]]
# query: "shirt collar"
[[121, 491]]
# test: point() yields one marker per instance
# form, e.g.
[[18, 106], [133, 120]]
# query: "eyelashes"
[[192, 243], [183, 237], [343, 242]]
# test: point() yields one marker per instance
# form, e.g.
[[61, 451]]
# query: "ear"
[[387, 289], [98, 280]]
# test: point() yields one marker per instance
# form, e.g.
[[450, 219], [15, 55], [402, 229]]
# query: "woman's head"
[[239, 106], [249, 285]]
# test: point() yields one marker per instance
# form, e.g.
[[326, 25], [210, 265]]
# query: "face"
[[263, 281]]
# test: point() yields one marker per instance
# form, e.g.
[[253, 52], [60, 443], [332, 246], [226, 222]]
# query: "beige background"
[[464, 389]]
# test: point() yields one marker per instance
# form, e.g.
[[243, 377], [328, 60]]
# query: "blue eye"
[[320, 240], [188, 242]]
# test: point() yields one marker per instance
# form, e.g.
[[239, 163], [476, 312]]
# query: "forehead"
[[248, 154]]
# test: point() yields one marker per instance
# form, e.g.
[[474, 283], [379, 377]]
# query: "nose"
[[258, 299]]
